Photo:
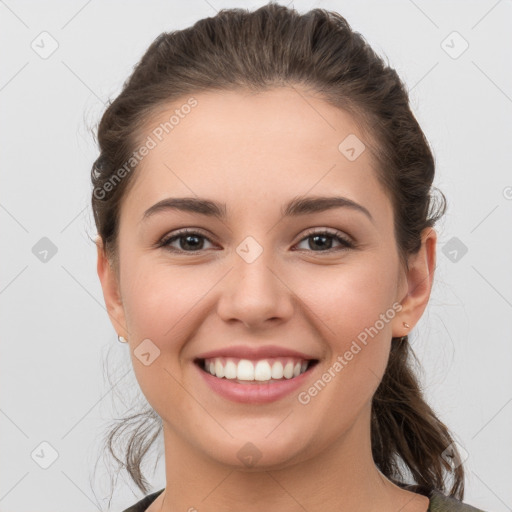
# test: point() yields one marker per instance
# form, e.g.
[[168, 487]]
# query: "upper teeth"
[[262, 370]]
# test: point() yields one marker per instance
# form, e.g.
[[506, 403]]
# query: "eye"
[[321, 239], [193, 241], [190, 239]]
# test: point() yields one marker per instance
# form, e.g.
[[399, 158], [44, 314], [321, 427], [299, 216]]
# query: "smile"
[[263, 370], [255, 381]]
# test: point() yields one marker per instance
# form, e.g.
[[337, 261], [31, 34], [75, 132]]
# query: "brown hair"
[[270, 47]]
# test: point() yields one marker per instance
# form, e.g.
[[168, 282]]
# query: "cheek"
[[349, 299], [159, 298], [353, 310], [159, 305]]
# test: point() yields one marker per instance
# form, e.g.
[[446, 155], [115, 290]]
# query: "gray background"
[[55, 332]]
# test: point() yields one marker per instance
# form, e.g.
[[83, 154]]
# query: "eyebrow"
[[297, 206]]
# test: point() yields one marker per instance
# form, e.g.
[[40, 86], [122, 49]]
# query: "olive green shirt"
[[438, 501]]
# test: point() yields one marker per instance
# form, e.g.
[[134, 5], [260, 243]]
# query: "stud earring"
[[406, 325], [122, 340]]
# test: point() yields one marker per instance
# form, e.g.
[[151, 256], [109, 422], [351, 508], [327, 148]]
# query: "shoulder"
[[143, 504], [441, 503]]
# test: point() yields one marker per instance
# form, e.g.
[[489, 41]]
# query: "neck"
[[342, 477]]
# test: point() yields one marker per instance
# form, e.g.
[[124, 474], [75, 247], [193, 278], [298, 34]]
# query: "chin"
[[258, 453]]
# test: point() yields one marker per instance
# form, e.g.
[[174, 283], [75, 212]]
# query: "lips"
[[256, 391], [263, 364], [255, 374], [256, 353]]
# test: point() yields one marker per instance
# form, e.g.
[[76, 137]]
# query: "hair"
[[275, 46]]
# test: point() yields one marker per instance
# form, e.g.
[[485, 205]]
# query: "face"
[[262, 282]]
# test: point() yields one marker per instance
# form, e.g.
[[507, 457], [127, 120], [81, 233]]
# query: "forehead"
[[299, 120], [249, 146]]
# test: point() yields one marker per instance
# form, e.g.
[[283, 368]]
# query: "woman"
[[264, 206]]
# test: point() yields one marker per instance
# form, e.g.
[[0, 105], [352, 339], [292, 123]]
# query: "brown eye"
[[188, 241], [321, 241]]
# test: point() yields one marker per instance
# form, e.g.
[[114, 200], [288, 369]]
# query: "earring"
[[122, 340], [406, 325]]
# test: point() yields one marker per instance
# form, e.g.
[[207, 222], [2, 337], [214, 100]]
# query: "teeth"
[[288, 370], [263, 370], [245, 370], [277, 370], [230, 370], [219, 369]]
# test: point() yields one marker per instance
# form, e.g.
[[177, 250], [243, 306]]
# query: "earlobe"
[[111, 293], [420, 276]]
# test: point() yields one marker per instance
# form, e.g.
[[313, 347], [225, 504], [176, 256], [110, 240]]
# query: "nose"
[[255, 293]]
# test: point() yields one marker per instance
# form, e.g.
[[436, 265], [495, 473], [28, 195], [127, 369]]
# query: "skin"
[[255, 152]]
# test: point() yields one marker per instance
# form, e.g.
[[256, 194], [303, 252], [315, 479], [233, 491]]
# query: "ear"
[[111, 293], [419, 279]]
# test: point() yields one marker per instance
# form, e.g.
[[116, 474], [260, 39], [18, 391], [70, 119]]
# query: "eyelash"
[[164, 242]]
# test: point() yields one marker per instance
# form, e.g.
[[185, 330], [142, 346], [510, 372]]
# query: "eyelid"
[[329, 231], [182, 232]]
